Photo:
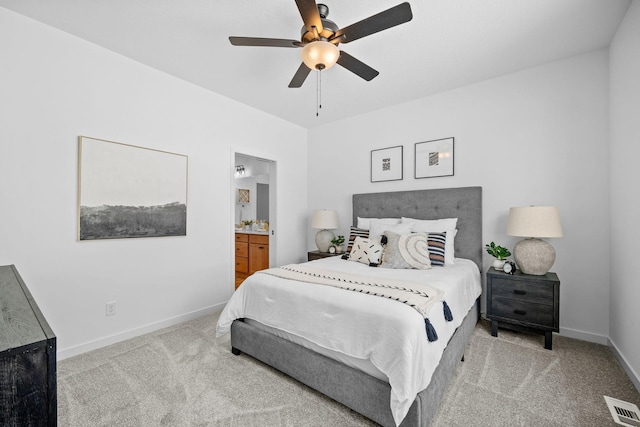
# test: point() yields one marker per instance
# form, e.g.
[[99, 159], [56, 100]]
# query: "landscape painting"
[[127, 191]]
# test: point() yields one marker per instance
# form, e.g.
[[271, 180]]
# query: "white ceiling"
[[448, 44]]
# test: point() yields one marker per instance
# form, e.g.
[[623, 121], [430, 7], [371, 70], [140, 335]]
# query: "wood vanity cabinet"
[[242, 258], [252, 254]]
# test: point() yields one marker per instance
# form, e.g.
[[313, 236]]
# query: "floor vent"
[[623, 413]]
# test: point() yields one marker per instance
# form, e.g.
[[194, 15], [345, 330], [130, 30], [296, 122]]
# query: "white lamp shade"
[[324, 219], [534, 221], [320, 55]]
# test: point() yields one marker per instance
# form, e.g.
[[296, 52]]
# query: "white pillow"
[[437, 226], [366, 222], [366, 251], [378, 227]]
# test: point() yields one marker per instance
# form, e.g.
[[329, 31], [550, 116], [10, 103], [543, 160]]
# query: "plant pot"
[[498, 264]]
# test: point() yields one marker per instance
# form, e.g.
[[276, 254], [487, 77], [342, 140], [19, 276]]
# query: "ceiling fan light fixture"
[[320, 55]]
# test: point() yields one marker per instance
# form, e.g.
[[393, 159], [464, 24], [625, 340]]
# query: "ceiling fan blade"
[[259, 41], [300, 76], [310, 15], [389, 18], [356, 66]]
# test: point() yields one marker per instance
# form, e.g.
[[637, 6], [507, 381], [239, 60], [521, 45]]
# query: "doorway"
[[253, 189]]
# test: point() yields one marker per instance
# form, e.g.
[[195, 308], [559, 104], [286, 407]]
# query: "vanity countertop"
[[264, 233]]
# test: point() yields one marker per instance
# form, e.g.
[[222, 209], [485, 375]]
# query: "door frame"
[[273, 212]]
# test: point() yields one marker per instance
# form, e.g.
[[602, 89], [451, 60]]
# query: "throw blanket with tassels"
[[419, 296]]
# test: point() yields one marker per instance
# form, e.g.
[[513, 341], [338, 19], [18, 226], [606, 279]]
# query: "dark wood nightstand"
[[313, 255], [524, 302]]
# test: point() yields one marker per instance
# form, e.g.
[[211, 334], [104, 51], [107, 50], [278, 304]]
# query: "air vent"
[[623, 413]]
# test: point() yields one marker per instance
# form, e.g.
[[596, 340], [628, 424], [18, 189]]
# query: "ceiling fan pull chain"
[[320, 89], [318, 92]]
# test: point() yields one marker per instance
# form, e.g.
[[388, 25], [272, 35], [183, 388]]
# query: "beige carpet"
[[184, 376]]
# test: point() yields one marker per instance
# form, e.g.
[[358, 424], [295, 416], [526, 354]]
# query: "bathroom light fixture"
[[240, 170]]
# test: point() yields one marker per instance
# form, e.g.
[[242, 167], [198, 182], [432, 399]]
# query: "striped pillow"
[[356, 232], [436, 242]]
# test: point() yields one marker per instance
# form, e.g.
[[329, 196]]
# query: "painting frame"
[[127, 191], [435, 158], [243, 196], [383, 164]]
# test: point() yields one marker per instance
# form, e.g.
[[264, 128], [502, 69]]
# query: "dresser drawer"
[[241, 237], [525, 312], [242, 249], [524, 291], [242, 265]]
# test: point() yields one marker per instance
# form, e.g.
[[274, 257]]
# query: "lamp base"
[[534, 256], [323, 240]]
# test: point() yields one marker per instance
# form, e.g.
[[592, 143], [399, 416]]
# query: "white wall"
[[54, 87], [625, 176], [538, 137]]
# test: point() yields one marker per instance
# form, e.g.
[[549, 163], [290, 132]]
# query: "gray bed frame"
[[361, 392]]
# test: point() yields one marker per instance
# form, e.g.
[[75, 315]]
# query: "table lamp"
[[325, 220], [533, 255]]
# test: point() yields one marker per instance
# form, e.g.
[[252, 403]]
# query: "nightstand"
[[313, 255], [524, 303]]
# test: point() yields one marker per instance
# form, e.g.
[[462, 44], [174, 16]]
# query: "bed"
[[356, 382]]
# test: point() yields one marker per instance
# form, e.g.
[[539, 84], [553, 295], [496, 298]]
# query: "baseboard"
[[584, 336], [112, 339], [633, 376]]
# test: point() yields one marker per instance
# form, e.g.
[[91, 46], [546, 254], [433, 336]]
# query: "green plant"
[[247, 222], [337, 241], [497, 251]]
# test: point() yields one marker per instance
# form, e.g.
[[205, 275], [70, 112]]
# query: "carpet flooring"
[[185, 376]]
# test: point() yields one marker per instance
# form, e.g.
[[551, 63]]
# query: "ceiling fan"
[[320, 39]]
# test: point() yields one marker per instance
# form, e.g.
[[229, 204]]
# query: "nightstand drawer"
[[523, 311], [524, 291]]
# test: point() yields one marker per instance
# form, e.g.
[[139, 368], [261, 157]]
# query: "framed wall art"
[[243, 196], [434, 158], [126, 191], [386, 164]]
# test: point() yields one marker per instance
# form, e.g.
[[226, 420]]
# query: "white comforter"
[[389, 334]]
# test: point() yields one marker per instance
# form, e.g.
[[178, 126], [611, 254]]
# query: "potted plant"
[[499, 253], [247, 224], [337, 242]]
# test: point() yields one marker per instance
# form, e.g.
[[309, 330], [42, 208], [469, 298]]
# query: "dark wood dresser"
[[524, 302], [28, 394]]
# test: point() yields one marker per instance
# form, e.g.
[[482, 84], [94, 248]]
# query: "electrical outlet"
[[111, 308]]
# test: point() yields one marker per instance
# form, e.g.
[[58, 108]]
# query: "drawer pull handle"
[[520, 312], [519, 292]]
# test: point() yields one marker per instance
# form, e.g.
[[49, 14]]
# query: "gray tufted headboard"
[[463, 203]]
